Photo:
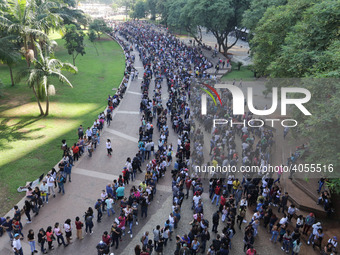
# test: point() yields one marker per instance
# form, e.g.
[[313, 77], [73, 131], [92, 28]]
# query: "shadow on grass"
[[17, 131], [30, 166]]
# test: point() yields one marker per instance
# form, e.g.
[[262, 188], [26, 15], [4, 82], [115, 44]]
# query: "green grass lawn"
[[245, 73], [30, 145]]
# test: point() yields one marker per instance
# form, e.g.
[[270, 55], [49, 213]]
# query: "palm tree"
[[43, 68], [45, 20], [8, 54], [19, 19], [46, 16]]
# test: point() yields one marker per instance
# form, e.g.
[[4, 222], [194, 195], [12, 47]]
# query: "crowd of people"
[[169, 62]]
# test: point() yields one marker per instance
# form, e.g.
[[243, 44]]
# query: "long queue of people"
[[177, 71], [155, 169]]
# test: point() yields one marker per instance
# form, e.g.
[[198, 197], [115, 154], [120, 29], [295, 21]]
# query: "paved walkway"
[[238, 53]]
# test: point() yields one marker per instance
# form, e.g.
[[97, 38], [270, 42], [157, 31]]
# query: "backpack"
[[134, 163], [40, 202], [62, 179], [206, 223]]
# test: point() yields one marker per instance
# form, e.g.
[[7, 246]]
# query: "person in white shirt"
[[283, 220], [109, 206], [196, 199], [291, 210], [265, 192], [243, 203], [50, 183], [256, 216], [171, 221], [264, 182], [108, 147], [315, 227], [68, 231], [299, 222], [129, 167], [88, 133], [44, 191], [333, 241], [245, 146], [17, 248]]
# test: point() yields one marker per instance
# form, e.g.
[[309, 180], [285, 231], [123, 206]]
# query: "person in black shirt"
[[248, 241], [80, 131], [160, 245], [31, 241], [98, 207], [217, 243], [283, 203], [7, 226], [215, 219], [42, 240], [205, 236], [102, 248], [115, 234], [27, 208], [17, 213], [144, 206]]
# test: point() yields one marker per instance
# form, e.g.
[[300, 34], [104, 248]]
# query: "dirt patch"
[[104, 39], [14, 101], [24, 130]]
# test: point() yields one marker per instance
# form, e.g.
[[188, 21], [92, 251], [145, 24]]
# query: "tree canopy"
[[100, 26], [220, 17], [74, 41], [139, 10], [300, 39]]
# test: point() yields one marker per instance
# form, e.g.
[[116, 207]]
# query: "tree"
[[271, 31], [151, 6], [114, 7], [128, 4], [220, 17], [74, 42], [177, 17], [334, 185], [46, 18], [303, 50], [72, 16], [162, 8], [301, 40], [19, 20], [43, 69], [9, 55], [139, 10], [321, 129], [93, 37], [100, 26], [256, 11]]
